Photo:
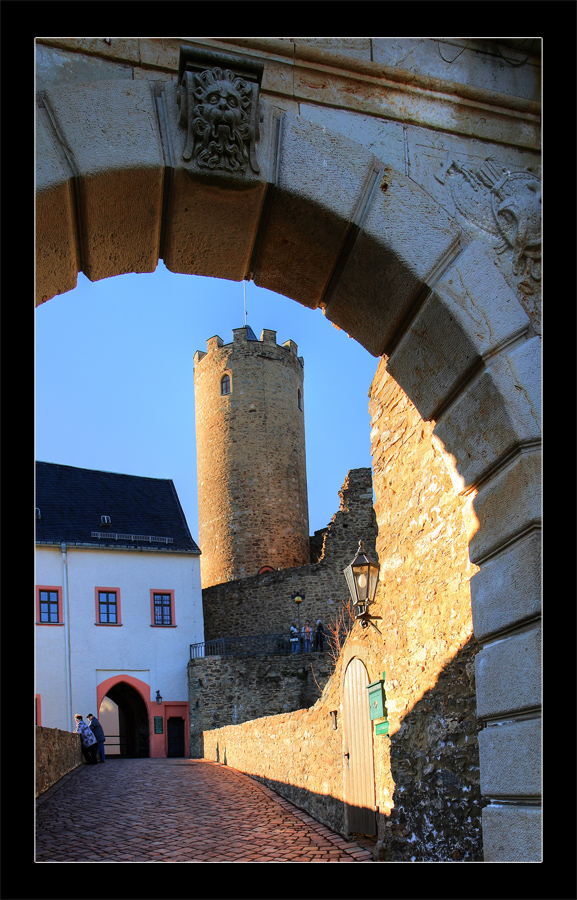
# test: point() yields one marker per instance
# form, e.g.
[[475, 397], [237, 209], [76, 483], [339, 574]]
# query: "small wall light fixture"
[[334, 715], [158, 698], [362, 577]]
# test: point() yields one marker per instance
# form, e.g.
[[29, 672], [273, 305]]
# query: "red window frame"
[[107, 590], [154, 592], [53, 589]]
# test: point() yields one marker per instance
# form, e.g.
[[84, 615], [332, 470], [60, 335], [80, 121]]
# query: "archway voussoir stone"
[[507, 506], [498, 410], [478, 294], [508, 675], [507, 589], [511, 760], [56, 251], [300, 249], [454, 329], [107, 125], [322, 180], [121, 237], [209, 230], [109, 134], [406, 239], [511, 834]]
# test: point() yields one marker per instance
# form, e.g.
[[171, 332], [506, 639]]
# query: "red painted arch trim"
[[140, 686], [157, 742]]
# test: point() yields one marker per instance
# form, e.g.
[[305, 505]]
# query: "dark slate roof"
[[250, 335], [72, 500]]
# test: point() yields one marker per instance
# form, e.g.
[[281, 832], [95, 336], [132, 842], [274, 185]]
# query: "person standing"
[[98, 732], [319, 636], [307, 632], [89, 743], [294, 639]]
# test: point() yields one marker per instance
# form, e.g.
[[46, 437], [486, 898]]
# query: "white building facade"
[[116, 611]]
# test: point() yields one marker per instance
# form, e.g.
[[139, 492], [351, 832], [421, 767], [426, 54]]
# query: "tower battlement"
[[245, 335]]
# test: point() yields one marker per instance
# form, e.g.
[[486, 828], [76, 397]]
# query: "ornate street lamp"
[[298, 598], [362, 577]]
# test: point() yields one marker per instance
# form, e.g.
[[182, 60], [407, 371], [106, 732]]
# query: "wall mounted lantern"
[[362, 577], [158, 698]]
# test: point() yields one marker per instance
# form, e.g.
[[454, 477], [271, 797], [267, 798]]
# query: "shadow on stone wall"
[[434, 763], [324, 808], [430, 765]]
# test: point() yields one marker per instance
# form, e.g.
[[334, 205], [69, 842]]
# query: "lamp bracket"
[[367, 619]]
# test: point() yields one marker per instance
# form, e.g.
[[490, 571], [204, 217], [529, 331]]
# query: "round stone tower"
[[250, 438]]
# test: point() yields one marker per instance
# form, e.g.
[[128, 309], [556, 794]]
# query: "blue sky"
[[115, 382]]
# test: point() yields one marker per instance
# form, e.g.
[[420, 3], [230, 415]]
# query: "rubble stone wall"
[[57, 753], [262, 604], [228, 691]]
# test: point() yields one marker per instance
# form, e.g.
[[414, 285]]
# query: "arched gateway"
[[133, 171]]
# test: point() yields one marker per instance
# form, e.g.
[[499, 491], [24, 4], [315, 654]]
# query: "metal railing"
[[257, 645], [118, 536]]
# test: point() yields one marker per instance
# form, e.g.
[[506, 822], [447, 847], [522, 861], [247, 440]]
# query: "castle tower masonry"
[[250, 437]]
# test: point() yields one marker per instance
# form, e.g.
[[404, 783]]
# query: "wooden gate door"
[[175, 736], [358, 753]]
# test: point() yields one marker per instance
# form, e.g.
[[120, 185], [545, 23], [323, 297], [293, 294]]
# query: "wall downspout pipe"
[[67, 649]]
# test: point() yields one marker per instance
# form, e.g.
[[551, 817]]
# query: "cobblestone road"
[[178, 810]]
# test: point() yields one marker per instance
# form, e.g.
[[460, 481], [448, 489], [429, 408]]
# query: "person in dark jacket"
[[98, 733], [319, 636]]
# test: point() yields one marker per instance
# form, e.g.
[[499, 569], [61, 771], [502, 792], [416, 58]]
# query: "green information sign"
[[382, 728], [158, 725]]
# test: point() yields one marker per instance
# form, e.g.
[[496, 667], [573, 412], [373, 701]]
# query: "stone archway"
[[132, 697], [326, 223], [133, 721]]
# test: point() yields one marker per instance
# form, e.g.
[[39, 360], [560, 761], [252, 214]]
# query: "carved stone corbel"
[[218, 99]]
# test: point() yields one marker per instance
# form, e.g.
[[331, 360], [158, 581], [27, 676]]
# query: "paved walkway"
[[178, 810]]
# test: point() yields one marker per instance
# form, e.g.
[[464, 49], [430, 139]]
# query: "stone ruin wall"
[[427, 768], [262, 604]]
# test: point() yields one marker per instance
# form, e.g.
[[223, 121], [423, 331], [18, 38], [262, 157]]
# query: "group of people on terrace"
[[308, 639]]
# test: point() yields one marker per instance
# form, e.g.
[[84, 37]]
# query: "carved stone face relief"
[[506, 204], [218, 109]]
